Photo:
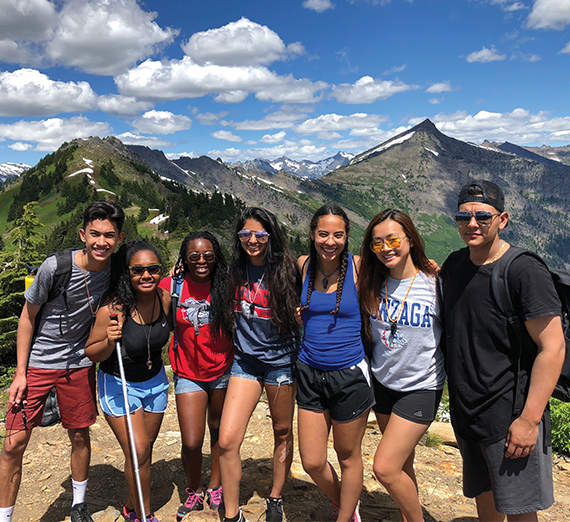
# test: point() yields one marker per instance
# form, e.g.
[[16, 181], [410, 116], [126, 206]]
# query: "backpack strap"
[[175, 293], [502, 296]]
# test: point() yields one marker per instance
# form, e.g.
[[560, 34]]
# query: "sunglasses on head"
[[261, 235], [139, 270], [377, 244], [483, 217], [194, 257]]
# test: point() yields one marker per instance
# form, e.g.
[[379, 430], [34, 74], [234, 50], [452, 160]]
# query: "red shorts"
[[75, 390]]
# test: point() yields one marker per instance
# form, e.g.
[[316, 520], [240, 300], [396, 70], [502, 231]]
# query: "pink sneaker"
[[216, 498], [194, 502]]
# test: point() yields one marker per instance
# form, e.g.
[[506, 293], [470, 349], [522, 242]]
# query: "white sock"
[[78, 492], [6, 514]]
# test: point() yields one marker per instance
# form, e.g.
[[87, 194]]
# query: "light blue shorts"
[[152, 395], [183, 385], [249, 367]]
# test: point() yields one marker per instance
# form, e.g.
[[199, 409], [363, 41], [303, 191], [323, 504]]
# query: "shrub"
[[560, 414]]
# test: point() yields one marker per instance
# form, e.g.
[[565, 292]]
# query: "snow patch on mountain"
[[12, 170]]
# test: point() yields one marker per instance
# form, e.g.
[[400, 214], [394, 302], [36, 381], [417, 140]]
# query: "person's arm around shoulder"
[[104, 334], [356, 267], [26, 327], [166, 299], [547, 333]]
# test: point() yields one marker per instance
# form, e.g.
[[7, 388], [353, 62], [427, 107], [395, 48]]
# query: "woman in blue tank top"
[[141, 321], [333, 379]]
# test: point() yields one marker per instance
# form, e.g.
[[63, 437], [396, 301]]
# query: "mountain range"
[[11, 170], [419, 171]]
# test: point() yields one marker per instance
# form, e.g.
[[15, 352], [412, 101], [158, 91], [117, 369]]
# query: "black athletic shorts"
[[418, 406], [347, 393]]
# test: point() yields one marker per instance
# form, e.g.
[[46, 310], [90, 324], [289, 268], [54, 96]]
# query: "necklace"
[[394, 322], [148, 361], [94, 312], [325, 280], [248, 307], [496, 256]]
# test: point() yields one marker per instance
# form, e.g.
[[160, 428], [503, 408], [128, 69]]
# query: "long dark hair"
[[121, 295], [218, 280], [327, 210], [281, 274], [373, 272]]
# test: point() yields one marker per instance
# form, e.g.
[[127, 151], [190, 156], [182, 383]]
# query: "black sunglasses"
[[139, 270], [482, 217], [194, 257]]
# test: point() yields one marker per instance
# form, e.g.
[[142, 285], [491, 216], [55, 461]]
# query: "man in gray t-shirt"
[[50, 353]]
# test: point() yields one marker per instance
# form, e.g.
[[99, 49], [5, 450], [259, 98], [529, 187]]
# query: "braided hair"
[[327, 210], [218, 280], [281, 274]]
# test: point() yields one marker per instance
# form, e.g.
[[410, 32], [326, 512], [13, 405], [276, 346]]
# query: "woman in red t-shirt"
[[201, 353]]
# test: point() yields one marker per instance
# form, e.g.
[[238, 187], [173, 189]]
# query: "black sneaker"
[[274, 510], [241, 518], [79, 513]]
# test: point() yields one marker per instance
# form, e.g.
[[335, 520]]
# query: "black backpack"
[[501, 294]]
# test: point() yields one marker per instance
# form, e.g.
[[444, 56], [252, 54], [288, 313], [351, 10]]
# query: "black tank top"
[[135, 351]]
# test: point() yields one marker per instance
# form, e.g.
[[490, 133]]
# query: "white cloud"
[[32, 20], [486, 55], [435, 101], [27, 92], [161, 122], [369, 90], [11, 52], [105, 37], [225, 135], [283, 119], [298, 150], [117, 105], [176, 155], [51, 133], [273, 138], [320, 6], [566, 49], [20, 147], [436, 88], [519, 126], [549, 14], [515, 6], [177, 79], [395, 69], [239, 43], [209, 118], [129, 138], [336, 122]]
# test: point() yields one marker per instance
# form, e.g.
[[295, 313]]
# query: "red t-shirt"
[[199, 357]]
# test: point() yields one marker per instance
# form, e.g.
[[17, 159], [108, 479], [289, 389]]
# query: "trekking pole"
[[129, 424]]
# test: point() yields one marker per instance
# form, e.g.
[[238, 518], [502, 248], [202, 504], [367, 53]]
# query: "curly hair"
[[121, 295], [281, 273], [373, 272], [218, 280], [327, 210]]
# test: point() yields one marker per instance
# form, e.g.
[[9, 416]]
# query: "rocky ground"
[[45, 494]]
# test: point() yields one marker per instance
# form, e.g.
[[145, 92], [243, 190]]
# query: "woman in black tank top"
[[136, 313]]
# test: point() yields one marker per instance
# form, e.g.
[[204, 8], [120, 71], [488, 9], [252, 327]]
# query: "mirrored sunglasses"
[[377, 244], [139, 270], [194, 257], [261, 235], [483, 218]]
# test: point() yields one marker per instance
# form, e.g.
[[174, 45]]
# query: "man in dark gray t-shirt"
[[50, 354]]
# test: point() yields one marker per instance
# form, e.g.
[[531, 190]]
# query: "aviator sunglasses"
[[139, 270], [483, 218], [194, 257], [377, 244], [261, 235]]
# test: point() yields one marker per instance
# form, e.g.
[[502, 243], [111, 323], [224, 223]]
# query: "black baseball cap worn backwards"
[[482, 191]]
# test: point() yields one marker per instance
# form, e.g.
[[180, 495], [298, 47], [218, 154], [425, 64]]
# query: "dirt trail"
[[45, 494]]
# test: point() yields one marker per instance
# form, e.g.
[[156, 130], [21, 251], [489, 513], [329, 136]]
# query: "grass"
[[433, 440]]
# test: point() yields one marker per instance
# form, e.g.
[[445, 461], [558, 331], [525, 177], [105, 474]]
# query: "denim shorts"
[[183, 385], [152, 395], [249, 367]]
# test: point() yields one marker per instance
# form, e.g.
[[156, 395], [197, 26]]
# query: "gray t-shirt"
[[411, 359], [50, 349]]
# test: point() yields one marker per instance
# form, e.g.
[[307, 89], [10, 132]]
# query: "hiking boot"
[[129, 514], [216, 498], [79, 513], [194, 502], [274, 510], [241, 518]]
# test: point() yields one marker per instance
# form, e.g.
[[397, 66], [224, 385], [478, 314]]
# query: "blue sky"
[[242, 79]]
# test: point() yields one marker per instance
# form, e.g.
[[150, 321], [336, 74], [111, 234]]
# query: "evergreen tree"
[[26, 236]]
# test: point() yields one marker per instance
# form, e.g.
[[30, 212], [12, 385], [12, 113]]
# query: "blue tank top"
[[332, 342]]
